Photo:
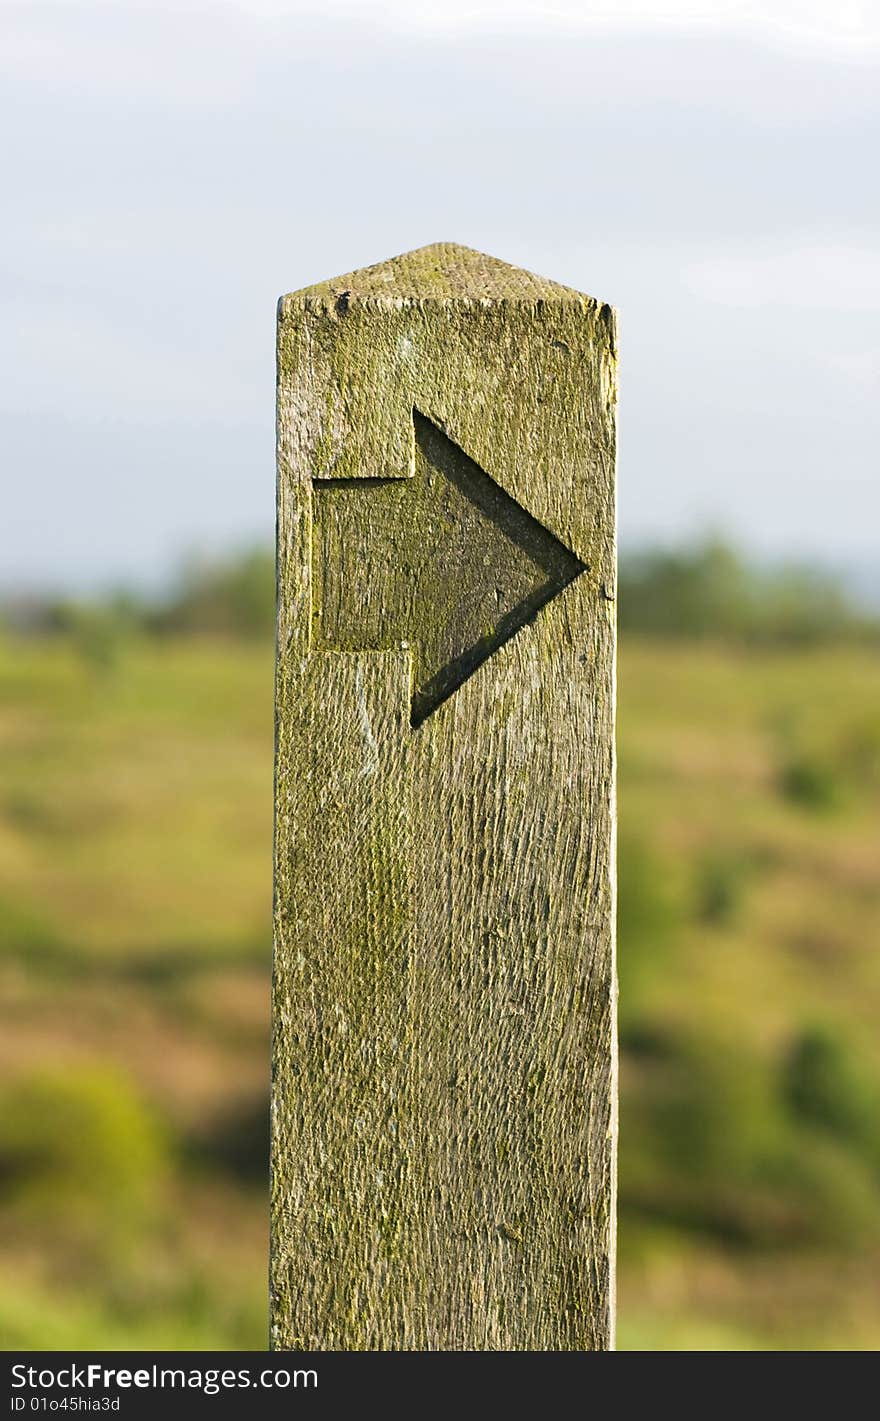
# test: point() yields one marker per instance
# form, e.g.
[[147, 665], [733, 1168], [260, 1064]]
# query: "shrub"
[[649, 916], [825, 1086], [80, 1146], [812, 782], [710, 1145], [709, 590], [231, 598], [721, 880]]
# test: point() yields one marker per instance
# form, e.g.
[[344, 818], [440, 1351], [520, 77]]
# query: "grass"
[[135, 895]]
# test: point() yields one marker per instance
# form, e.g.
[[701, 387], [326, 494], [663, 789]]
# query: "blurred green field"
[[135, 897]]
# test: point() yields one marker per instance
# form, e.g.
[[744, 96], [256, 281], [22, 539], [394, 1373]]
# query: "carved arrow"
[[446, 561]]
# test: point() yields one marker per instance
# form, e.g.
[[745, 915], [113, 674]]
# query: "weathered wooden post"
[[444, 995]]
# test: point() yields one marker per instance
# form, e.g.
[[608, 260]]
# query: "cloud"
[[203, 50], [173, 165], [844, 28], [838, 277], [860, 367], [77, 364], [222, 56]]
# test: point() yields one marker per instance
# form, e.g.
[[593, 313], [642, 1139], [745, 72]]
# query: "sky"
[[707, 167]]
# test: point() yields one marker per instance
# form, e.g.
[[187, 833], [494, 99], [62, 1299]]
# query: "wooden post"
[[443, 1170]]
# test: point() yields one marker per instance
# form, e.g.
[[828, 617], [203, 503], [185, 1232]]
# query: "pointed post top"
[[441, 272]]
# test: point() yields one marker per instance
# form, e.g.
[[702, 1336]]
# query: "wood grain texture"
[[444, 1049]]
